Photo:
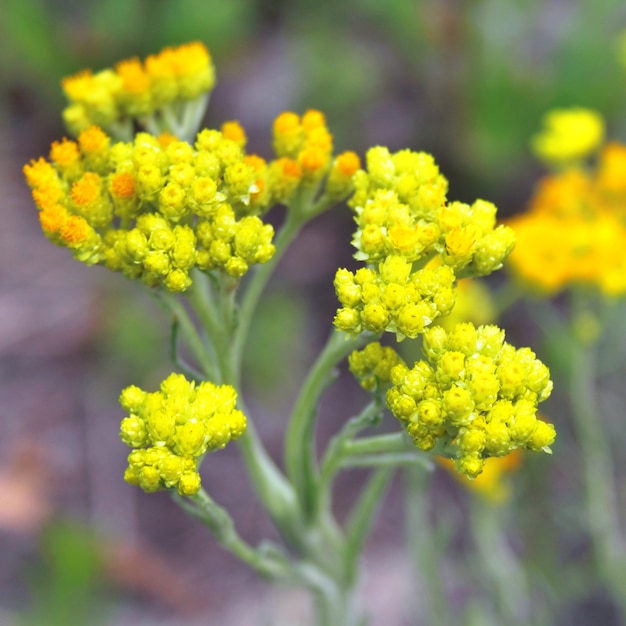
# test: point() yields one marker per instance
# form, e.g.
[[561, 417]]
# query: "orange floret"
[[286, 122], [52, 219], [86, 190], [313, 119], [134, 77], [123, 185], [234, 131], [255, 161], [75, 230], [160, 65], [289, 168], [165, 139], [93, 139], [312, 159], [348, 163], [64, 152], [47, 194], [612, 168]]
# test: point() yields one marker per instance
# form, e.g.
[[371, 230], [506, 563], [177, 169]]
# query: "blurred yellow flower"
[[575, 230], [492, 484], [569, 135]]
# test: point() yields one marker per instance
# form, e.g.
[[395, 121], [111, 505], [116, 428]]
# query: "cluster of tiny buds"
[[372, 366], [136, 89], [170, 429], [415, 244], [474, 392], [304, 147], [394, 298], [157, 207], [154, 208]]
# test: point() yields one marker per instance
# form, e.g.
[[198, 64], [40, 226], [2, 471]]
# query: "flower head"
[[568, 136], [136, 89], [574, 231], [170, 429], [474, 393], [154, 210], [415, 244]]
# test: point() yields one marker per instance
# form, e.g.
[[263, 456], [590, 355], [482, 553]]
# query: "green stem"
[[335, 451], [394, 459], [198, 348], [507, 576], [272, 488], [378, 444], [427, 546], [175, 357], [192, 114], [599, 481], [270, 564], [300, 461], [205, 303], [258, 282], [362, 518]]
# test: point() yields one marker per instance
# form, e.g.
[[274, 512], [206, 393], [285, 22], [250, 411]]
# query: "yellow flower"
[[475, 393], [154, 209], [574, 231], [403, 219], [170, 429], [569, 135], [137, 89]]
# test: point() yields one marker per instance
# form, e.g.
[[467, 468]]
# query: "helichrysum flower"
[[569, 135], [574, 231], [415, 244], [475, 393], [305, 163], [138, 89], [171, 429], [154, 208]]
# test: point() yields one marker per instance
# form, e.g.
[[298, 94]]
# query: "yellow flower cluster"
[[169, 430], [574, 231], [136, 89], [155, 208], [372, 366], [394, 298], [568, 136], [474, 392], [415, 243], [304, 148]]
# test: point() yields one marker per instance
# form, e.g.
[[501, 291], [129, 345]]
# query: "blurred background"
[[467, 81]]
